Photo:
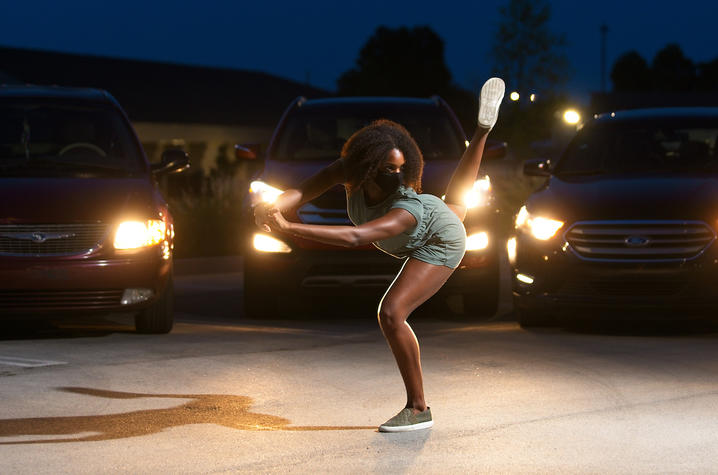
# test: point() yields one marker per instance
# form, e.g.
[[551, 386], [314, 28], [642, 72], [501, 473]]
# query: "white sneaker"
[[492, 93]]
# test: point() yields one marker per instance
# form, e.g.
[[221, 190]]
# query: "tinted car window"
[[51, 138], [319, 134], [643, 147]]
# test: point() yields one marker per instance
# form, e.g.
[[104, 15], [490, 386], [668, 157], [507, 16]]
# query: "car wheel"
[[158, 317], [534, 318], [258, 302], [483, 303]]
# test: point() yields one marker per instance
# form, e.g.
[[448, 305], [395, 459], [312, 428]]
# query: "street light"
[[514, 96], [571, 116]]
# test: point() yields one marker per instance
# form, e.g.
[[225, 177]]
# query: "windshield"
[[652, 146], [320, 134], [63, 139]]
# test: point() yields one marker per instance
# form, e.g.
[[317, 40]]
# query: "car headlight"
[[540, 227], [477, 241], [264, 243], [135, 234], [260, 192], [479, 193]]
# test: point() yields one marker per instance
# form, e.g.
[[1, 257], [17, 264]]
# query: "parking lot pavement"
[[222, 394]]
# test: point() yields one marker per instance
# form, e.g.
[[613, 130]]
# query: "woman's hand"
[[276, 221], [261, 216]]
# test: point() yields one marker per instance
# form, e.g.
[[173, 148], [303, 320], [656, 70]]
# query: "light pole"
[[604, 31]]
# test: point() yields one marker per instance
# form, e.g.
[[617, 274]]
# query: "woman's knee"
[[391, 317]]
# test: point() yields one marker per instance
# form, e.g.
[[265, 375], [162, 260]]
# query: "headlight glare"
[[264, 243], [135, 234], [477, 241], [478, 195], [260, 192], [539, 227]]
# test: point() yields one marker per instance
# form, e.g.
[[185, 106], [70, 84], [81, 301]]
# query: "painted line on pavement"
[[28, 363]]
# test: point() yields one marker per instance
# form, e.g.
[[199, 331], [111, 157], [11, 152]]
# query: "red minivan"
[[83, 226]]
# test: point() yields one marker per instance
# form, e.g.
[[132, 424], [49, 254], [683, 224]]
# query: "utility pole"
[[604, 31]]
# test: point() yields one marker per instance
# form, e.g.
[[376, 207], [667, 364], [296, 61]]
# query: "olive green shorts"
[[445, 248]]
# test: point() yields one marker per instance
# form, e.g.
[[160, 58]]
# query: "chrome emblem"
[[637, 241], [37, 237]]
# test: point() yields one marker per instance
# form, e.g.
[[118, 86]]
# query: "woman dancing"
[[381, 167]]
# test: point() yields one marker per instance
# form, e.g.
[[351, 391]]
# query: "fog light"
[[264, 243], [511, 250], [525, 278], [133, 296], [477, 241]]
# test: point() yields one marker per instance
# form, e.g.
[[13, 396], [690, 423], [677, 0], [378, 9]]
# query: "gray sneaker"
[[492, 93], [406, 421]]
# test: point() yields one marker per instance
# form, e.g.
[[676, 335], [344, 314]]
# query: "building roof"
[[162, 92]]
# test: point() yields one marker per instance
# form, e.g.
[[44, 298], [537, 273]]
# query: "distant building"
[[204, 110]]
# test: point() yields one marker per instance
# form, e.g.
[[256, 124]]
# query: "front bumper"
[[39, 285], [564, 284]]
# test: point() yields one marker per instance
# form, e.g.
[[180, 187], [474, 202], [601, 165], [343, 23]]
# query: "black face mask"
[[389, 182]]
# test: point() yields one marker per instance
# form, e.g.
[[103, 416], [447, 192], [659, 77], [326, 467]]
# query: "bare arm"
[[393, 223], [309, 189]]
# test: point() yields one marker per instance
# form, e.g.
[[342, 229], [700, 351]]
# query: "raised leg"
[[416, 282], [492, 93]]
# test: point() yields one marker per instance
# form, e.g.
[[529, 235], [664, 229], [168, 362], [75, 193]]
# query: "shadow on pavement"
[[224, 410]]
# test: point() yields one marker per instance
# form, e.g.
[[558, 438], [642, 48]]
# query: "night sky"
[[318, 40]]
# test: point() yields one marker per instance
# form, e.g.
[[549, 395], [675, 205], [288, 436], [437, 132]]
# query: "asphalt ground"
[[224, 394]]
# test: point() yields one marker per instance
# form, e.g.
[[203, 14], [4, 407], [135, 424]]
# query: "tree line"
[[669, 71]]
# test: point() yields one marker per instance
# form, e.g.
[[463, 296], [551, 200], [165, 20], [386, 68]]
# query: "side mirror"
[[173, 161], [247, 151], [495, 149], [537, 167]]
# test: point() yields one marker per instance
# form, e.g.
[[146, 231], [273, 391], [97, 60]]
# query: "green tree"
[[708, 76], [525, 53], [672, 71], [631, 73], [398, 62]]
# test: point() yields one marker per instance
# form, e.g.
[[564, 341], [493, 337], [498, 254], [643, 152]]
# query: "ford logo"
[[637, 241], [38, 237]]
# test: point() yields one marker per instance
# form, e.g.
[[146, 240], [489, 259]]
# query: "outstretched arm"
[[309, 189], [395, 222]]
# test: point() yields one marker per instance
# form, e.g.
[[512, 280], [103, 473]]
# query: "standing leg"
[[468, 168], [416, 282]]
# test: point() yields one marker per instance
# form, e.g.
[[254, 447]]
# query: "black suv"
[[626, 221], [309, 136]]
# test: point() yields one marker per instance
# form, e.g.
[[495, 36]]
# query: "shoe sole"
[[410, 427], [492, 93]]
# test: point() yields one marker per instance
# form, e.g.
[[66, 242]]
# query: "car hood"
[[69, 200], [629, 197]]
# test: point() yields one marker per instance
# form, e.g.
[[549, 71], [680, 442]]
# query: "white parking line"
[[28, 363]]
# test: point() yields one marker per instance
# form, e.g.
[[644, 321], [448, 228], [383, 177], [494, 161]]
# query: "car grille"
[[624, 288], [50, 239], [19, 300], [639, 241]]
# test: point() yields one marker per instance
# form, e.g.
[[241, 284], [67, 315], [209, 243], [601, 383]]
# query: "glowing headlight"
[[477, 241], [134, 234], [260, 192], [478, 195], [264, 243], [539, 227]]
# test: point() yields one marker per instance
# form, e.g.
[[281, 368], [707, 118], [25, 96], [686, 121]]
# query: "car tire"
[[159, 317], [258, 302], [534, 318], [483, 303]]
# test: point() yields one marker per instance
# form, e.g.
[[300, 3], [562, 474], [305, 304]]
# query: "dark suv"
[[625, 223], [309, 136], [83, 227]]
